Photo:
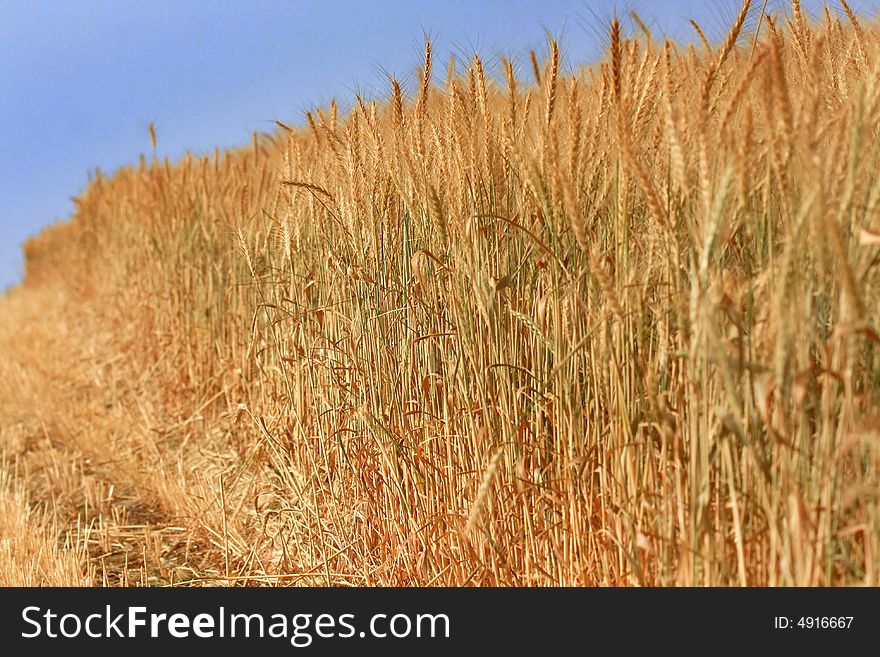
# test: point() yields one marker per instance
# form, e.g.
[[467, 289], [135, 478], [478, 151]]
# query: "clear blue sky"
[[81, 79]]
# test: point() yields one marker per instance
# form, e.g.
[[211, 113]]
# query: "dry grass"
[[614, 328], [29, 552]]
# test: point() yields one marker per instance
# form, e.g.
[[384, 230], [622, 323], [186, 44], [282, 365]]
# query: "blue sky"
[[80, 80]]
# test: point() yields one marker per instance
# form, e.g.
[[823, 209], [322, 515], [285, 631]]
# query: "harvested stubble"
[[611, 328]]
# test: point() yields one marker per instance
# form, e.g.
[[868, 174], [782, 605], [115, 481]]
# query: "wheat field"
[[516, 326]]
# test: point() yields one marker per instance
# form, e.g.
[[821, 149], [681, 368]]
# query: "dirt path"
[[68, 467]]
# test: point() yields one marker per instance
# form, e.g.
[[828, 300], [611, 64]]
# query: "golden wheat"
[[627, 337]]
